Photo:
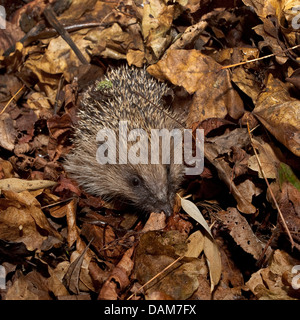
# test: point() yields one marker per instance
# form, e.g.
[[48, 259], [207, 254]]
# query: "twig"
[[271, 192], [261, 58], [165, 269], [12, 98], [57, 203], [51, 18]]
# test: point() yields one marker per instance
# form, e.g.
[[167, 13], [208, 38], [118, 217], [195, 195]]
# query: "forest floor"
[[233, 68]]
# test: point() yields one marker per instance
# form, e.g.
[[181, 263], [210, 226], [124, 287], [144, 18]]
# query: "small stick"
[[51, 18], [57, 203], [271, 192], [261, 58], [12, 98]]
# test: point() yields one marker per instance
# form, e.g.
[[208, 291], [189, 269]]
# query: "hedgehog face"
[[151, 188]]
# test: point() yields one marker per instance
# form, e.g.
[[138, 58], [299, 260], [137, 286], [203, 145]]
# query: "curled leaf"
[[191, 209]]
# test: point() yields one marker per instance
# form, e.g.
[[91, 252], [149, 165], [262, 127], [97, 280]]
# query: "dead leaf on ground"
[[119, 278], [213, 257], [288, 199], [268, 158], [156, 250], [241, 232], [19, 185], [156, 221], [274, 282], [280, 114], [32, 286], [191, 68], [156, 23], [22, 220], [225, 174], [191, 209]]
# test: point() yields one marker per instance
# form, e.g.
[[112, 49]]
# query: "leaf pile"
[[233, 69]]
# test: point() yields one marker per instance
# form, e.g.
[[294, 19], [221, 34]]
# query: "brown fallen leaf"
[[59, 128], [105, 241], [213, 257], [195, 244], [288, 199], [72, 276], [269, 283], [8, 133], [73, 231], [269, 32], [284, 13], [157, 21], [191, 67], [247, 82], [295, 78], [119, 278], [225, 174], [241, 232], [268, 159], [32, 286], [6, 169], [280, 114], [240, 160], [22, 220], [136, 58], [181, 283], [248, 190], [19, 185], [232, 279], [225, 143], [156, 221], [156, 252], [55, 281]]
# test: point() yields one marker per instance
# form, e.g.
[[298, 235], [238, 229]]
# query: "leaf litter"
[[232, 72]]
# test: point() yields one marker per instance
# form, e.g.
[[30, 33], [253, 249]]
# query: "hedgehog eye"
[[135, 181]]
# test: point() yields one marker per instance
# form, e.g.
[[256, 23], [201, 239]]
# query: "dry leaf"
[[8, 133], [22, 219], [267, 157], [7, 169], [119, 278], [288, 199], [19, 185], [225, 174], [268, 283], [73, 232], [213, 257], [280, 114], [156, 221], [156, 22], [33, 286], [155, 252], [241, 232], [192, 210], [195, 244], [248, 190], [56, 278], [188, 68], [72, 276], [225, 143]]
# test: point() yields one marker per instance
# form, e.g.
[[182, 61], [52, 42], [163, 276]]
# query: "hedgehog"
[[126, 94]]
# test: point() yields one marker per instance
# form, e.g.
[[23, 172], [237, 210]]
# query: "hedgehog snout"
[[166, 208]]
